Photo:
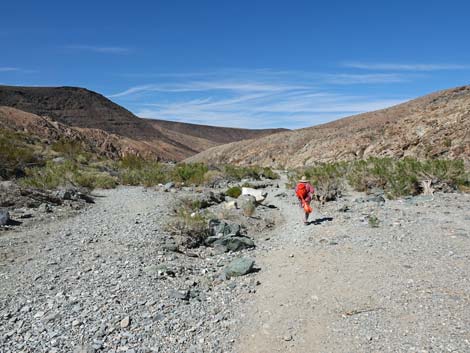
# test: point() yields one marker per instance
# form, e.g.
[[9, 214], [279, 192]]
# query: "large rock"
[[4, 217], [73, 194], [260, 195], [227, 236], [219, 228], [234, 243], [210, 198], [239, 267]]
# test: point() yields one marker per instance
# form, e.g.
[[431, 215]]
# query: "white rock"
[[260, 195]]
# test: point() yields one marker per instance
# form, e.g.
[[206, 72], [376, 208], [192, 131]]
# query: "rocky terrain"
[[367, 275], [434, 126], [95, 117]]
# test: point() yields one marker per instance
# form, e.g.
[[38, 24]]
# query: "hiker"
[[304, 191]]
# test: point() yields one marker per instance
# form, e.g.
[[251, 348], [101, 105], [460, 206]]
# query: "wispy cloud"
[[404, 67], [350, 79], [99, 49], [200, 86], [9, 69], [255, 98]]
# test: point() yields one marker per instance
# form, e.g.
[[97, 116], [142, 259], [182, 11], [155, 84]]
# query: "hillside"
[[219, 135], [84, 109], [433, 126], [96, 141]]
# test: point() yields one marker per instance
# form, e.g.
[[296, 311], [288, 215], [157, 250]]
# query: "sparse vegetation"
[[71, 149], [189, 173], [54, 175], [373, 221], [16, 153], [133, 170], [234, 192], [238, 173], [190, 224], [396, 177]]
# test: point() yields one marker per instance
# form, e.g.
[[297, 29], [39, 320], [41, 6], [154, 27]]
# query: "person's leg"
[[306, 214]]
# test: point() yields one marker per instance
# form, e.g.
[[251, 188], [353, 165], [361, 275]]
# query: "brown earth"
[[433, 126], [92, 140], [94, 114]]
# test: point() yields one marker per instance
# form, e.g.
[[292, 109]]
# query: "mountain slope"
[[82, 108], [92, 140], [436, 125], [219, 135]]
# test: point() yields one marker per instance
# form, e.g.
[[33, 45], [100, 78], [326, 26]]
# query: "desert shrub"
[[54, 175], [396, 177], [189, 225], [71, 149], [373, 221], [234, 192], [190, 204], [328, 179], [403, 177], [94, 180], [192, 173], [211, 177], [15, 154], [134, 170], [238, 173], [268, 173], [51, 176]]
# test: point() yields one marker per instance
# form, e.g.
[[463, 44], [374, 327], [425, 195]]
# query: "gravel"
[[107, 280], [110, 278]]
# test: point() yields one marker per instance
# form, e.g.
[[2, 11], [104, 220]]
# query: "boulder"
[[234, 243], [219, 228], [260, 195], [227, 237], [210, 198], [239, 267], [4, 217]]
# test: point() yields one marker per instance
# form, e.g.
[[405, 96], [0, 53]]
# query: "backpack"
[[301, 192]]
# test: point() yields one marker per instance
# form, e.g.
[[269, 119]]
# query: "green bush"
[[54, 175], [190, 173], [71, 149], [189, 224], [234, 192], [268, 173], [93, 180], [396, 177], [16, 153], [51, 176], [135, 170]]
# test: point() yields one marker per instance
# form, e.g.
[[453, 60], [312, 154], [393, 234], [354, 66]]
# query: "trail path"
[[341, 286]]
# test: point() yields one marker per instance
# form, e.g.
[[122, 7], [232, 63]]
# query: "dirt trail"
[[340, 286]]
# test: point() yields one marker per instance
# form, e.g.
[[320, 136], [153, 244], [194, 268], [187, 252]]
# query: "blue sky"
[[239, 63]]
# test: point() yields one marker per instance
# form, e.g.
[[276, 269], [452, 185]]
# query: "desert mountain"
[[92, 140], [87, 111], [433, 126]]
